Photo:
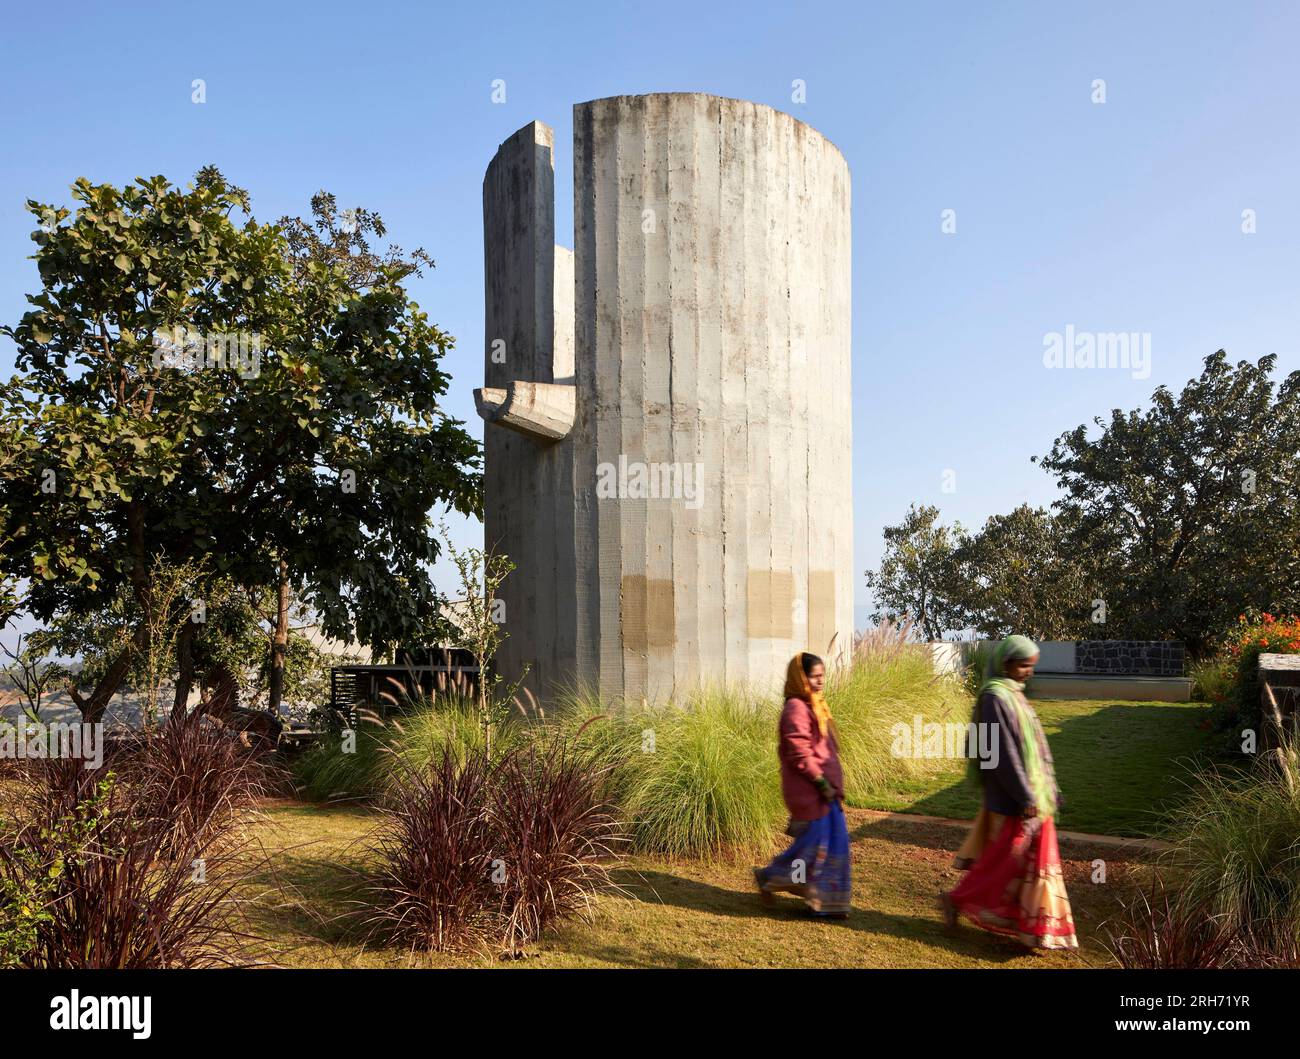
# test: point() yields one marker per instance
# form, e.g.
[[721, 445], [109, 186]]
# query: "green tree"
[[917, 577], [1191, 507], [188, 387], [1019, 575]]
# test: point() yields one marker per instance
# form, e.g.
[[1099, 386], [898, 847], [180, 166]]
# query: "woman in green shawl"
[[1013, 884]]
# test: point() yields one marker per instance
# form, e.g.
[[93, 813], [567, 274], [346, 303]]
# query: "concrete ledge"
[[539, 409], [1094, 686]]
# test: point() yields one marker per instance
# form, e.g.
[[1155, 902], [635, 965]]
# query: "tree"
[[32, 672], [1192, 507], [479, 627], [189, 387], [917, 573], [1019, 575]]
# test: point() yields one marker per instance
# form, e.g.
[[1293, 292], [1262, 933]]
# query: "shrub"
[[195, 781], [1240, 706], [1157, 931], [434, 889], [475, 848], [554, 831], [1237, 847], [114, 889]]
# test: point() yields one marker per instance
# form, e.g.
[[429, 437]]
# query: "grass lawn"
[[1121, 767], [678, 914]]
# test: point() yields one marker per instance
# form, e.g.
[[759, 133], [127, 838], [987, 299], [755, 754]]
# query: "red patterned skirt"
[[1014, 885]]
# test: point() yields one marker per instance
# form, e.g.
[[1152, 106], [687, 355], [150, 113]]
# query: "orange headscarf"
[[796, 687]]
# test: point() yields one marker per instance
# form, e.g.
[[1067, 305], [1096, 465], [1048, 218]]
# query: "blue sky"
[[1117, 216]]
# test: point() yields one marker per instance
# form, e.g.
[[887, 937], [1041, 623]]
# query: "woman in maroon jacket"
[[816, 866]]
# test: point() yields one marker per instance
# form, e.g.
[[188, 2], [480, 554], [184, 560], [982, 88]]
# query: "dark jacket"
[[1006, 787]]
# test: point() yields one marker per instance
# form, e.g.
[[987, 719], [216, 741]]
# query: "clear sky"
[[1117, 216]]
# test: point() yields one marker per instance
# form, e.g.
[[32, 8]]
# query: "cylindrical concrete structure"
[[695, 522]]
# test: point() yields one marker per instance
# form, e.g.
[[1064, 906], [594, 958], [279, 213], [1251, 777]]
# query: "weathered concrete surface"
[[696, 521], [541, 410]]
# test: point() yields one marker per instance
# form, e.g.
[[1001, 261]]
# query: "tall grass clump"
[[477, 849], [555, 831], [196, 782], [699, 777], [131, 866], [359, 763], [1161, 930], [1237, 846], [434, 887], [345, 763], [889, 680], [706, 780]]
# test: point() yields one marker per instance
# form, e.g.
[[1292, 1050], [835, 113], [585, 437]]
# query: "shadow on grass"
[[657, 887], [1121, 767], [311, 899]]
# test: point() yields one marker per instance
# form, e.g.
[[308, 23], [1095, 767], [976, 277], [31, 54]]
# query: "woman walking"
[[816, 866], [1014, 884]]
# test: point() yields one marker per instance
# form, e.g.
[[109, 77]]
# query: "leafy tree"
[[190, 387], [1192, 507], [917, 577], [1018, 574]]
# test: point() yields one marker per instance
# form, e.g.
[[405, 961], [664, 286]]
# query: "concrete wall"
[[711, 313]]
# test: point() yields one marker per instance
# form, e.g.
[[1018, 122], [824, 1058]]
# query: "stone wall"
[[1147, 658]]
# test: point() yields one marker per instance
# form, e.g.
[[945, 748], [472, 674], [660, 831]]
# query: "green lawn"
[[679, 914], [1121, 766]]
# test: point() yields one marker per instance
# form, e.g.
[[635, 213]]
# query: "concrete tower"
[[669, 429]]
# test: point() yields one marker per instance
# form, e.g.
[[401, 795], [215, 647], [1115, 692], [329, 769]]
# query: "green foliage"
[[1192, 506], [322, 441], [1017, 575], [1234, 672], [478, 627], [30, 874], [917, 578]]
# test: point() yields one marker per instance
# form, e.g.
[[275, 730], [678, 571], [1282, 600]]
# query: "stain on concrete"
[[647, 616], [770, 602]]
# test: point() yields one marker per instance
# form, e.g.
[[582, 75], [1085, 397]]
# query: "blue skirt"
[[816, 865]]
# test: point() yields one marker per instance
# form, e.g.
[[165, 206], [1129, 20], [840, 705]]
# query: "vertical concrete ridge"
[[708, 307]]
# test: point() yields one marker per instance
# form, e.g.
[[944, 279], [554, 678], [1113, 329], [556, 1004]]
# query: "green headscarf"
[[1009, 691]]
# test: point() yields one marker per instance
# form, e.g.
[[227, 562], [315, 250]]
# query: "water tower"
[[669, 434]]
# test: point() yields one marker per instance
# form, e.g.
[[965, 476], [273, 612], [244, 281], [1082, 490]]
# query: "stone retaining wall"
[[1145, 658]]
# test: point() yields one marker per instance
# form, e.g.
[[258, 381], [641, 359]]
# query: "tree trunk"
[[92, 709], [279, 645]]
